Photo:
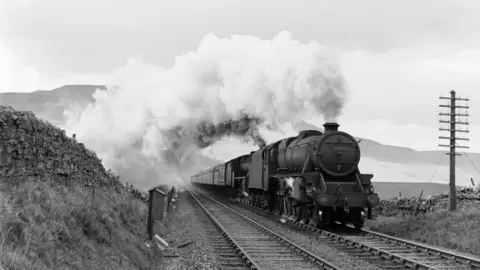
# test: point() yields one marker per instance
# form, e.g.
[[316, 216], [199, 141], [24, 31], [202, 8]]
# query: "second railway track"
[[258, 246], [383, 250]]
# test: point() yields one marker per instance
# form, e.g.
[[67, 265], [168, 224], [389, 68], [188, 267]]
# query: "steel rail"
[[463, 259], [247, 259], [390, 256], [297, 249]]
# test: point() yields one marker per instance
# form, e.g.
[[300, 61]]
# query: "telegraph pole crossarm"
[[452, 138], [457, 114]]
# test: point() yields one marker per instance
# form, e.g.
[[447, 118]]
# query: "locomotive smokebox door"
[[156, 208]]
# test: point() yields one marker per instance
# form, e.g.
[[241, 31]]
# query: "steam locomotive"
[[312, 178]]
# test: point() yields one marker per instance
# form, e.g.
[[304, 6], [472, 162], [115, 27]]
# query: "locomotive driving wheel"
[[290, 211], [302, 214], [314, 218], [359, 218], [343, 217]]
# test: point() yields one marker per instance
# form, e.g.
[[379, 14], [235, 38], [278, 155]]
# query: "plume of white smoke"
[[148, 127]]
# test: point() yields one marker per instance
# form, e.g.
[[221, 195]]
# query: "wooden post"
[[418, 203], [452, 138], [156, 208], [169, 200]]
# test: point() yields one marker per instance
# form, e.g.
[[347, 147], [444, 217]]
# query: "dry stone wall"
[[405, 206], [32, 149]]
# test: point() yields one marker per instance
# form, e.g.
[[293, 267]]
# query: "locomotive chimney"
[[330, 127]]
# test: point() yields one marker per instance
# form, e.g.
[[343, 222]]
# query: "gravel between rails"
[[340, 258], [262, 247], [187, 225]]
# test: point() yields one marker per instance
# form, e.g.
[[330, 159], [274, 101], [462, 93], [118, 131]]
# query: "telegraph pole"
[[453, 121]]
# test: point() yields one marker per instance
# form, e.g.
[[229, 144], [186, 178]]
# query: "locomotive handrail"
[[296, 145], [359, 182]]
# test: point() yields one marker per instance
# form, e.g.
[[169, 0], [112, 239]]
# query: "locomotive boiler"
[[312, 178]]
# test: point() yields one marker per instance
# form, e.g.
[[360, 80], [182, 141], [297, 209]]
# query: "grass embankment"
[[458, 230], [43, 226]]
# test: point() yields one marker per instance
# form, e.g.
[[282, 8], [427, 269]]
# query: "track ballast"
[[386, 251], [258, 246]]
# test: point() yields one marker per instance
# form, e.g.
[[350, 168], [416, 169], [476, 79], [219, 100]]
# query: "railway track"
[[226, 256], [382, 250], [258, 246]]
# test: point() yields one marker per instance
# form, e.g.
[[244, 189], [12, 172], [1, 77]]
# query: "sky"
[[397, 57]]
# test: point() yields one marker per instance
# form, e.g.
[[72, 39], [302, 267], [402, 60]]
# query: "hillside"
[[388, 190], [59, 207], [50, 104], [401, 164], [397, 154]]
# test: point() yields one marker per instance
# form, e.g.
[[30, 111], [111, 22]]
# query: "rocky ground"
[[185, 234]]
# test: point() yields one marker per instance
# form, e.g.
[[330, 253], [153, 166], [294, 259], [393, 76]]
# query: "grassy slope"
[[459, 230], [44, 226]]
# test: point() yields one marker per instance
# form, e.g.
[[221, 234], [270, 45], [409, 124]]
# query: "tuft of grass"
[[459, 230], [43, 226]]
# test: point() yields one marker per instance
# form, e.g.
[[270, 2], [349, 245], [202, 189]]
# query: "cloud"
[[15, 76], [59, 33], [394, 90], [394, 96]]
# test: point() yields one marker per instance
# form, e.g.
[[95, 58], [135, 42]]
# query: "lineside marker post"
[[156, 208], [418, 203], [453, 121]]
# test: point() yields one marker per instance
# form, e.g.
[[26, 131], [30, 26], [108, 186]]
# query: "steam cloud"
[[149, 127], [206, 133]]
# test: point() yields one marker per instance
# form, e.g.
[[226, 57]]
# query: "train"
[[312, 178]]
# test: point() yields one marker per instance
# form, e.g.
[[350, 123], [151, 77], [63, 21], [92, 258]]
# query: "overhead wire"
[[442, 154], [469, 159]]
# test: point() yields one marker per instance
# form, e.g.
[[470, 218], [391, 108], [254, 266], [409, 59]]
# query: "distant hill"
[[50, 104], [388, 190], [403, 164], [388, 163], [398, 154]]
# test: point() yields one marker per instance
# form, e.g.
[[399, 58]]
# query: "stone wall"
[[405, 206], [32, 149]]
